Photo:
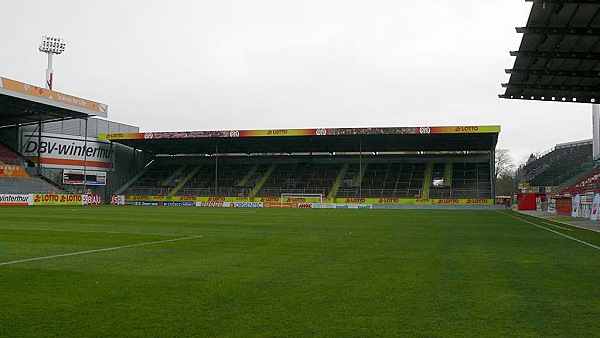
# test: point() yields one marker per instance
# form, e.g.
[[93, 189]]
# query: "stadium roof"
[[559, 56], [322, 140], [22, 103]]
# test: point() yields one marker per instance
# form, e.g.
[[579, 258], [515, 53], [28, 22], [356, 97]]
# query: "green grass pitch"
[[176, 271]]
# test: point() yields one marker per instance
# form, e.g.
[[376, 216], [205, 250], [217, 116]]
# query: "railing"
[[459, 193], [56, 179], [14, 161], [573, 172], [342, 193], [278, 191], [378, 193], [164, 191]]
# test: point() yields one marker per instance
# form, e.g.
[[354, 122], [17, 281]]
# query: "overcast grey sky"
[[263, 64]]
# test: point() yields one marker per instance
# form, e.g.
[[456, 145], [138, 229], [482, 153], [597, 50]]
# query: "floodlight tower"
[[51, 45]]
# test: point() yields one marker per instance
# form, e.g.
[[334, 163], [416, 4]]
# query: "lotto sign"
[[57, 199]]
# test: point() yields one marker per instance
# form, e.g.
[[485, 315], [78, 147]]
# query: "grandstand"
[[43, 133], [14, 178], [8, 156], [383, 177], [589, 184], [557, 165], [402, 163], [64, 149], [557, 61]]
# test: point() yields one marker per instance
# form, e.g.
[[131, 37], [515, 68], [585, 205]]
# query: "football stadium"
[[106, 230]]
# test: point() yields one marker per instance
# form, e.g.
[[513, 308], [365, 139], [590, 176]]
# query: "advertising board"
[[117, 199], [91, 199], [67, 152], [299, 202], [39, 94], [15, 200], [12, 170], [76, 177], [57, 199]]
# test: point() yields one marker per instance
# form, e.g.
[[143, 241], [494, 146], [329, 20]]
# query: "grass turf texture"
[[266, 272]]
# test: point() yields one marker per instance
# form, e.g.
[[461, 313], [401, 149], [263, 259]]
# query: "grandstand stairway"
[[448, 175], [360, 175], [135, 178], [177, 173], [187, 177], [262, 180], [338, 181], [427, 180], [244, 181]]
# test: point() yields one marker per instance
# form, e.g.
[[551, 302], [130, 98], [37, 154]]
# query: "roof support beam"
[[557, 55], [587, 89], [559, 30], [554, 72], [550, 97], [565, 1]]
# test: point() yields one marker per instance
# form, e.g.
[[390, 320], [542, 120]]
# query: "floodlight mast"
[[51, 45]]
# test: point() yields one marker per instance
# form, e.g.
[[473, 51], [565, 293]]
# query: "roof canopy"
[[559, 56], [322, 140], [22, 103]]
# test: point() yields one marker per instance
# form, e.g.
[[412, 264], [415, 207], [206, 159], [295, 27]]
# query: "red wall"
[[527, 201], [563, 205]]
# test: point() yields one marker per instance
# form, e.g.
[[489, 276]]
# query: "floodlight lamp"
[[52, 45]]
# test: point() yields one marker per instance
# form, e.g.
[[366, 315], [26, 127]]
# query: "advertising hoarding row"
[[48, 199], [287, 202], [305, 132]]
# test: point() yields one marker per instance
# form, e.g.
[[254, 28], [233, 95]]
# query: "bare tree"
[[504, 163], [505, 173]]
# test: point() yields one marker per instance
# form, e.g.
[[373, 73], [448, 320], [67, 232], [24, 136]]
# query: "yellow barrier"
[[274, 200]]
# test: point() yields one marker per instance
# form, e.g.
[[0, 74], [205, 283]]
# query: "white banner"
[[117, 199], [15, 200], [243, 204], [341, 206], [595, 205], [552, 206], [576, 206], [91, 199], [67, 152]]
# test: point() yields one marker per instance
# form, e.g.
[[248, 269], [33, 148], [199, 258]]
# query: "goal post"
[[301, 198]]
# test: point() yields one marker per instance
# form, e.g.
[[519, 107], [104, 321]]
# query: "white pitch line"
[[94, 232], [556, 226], [581, 227], [556, 232], [96, 250]]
